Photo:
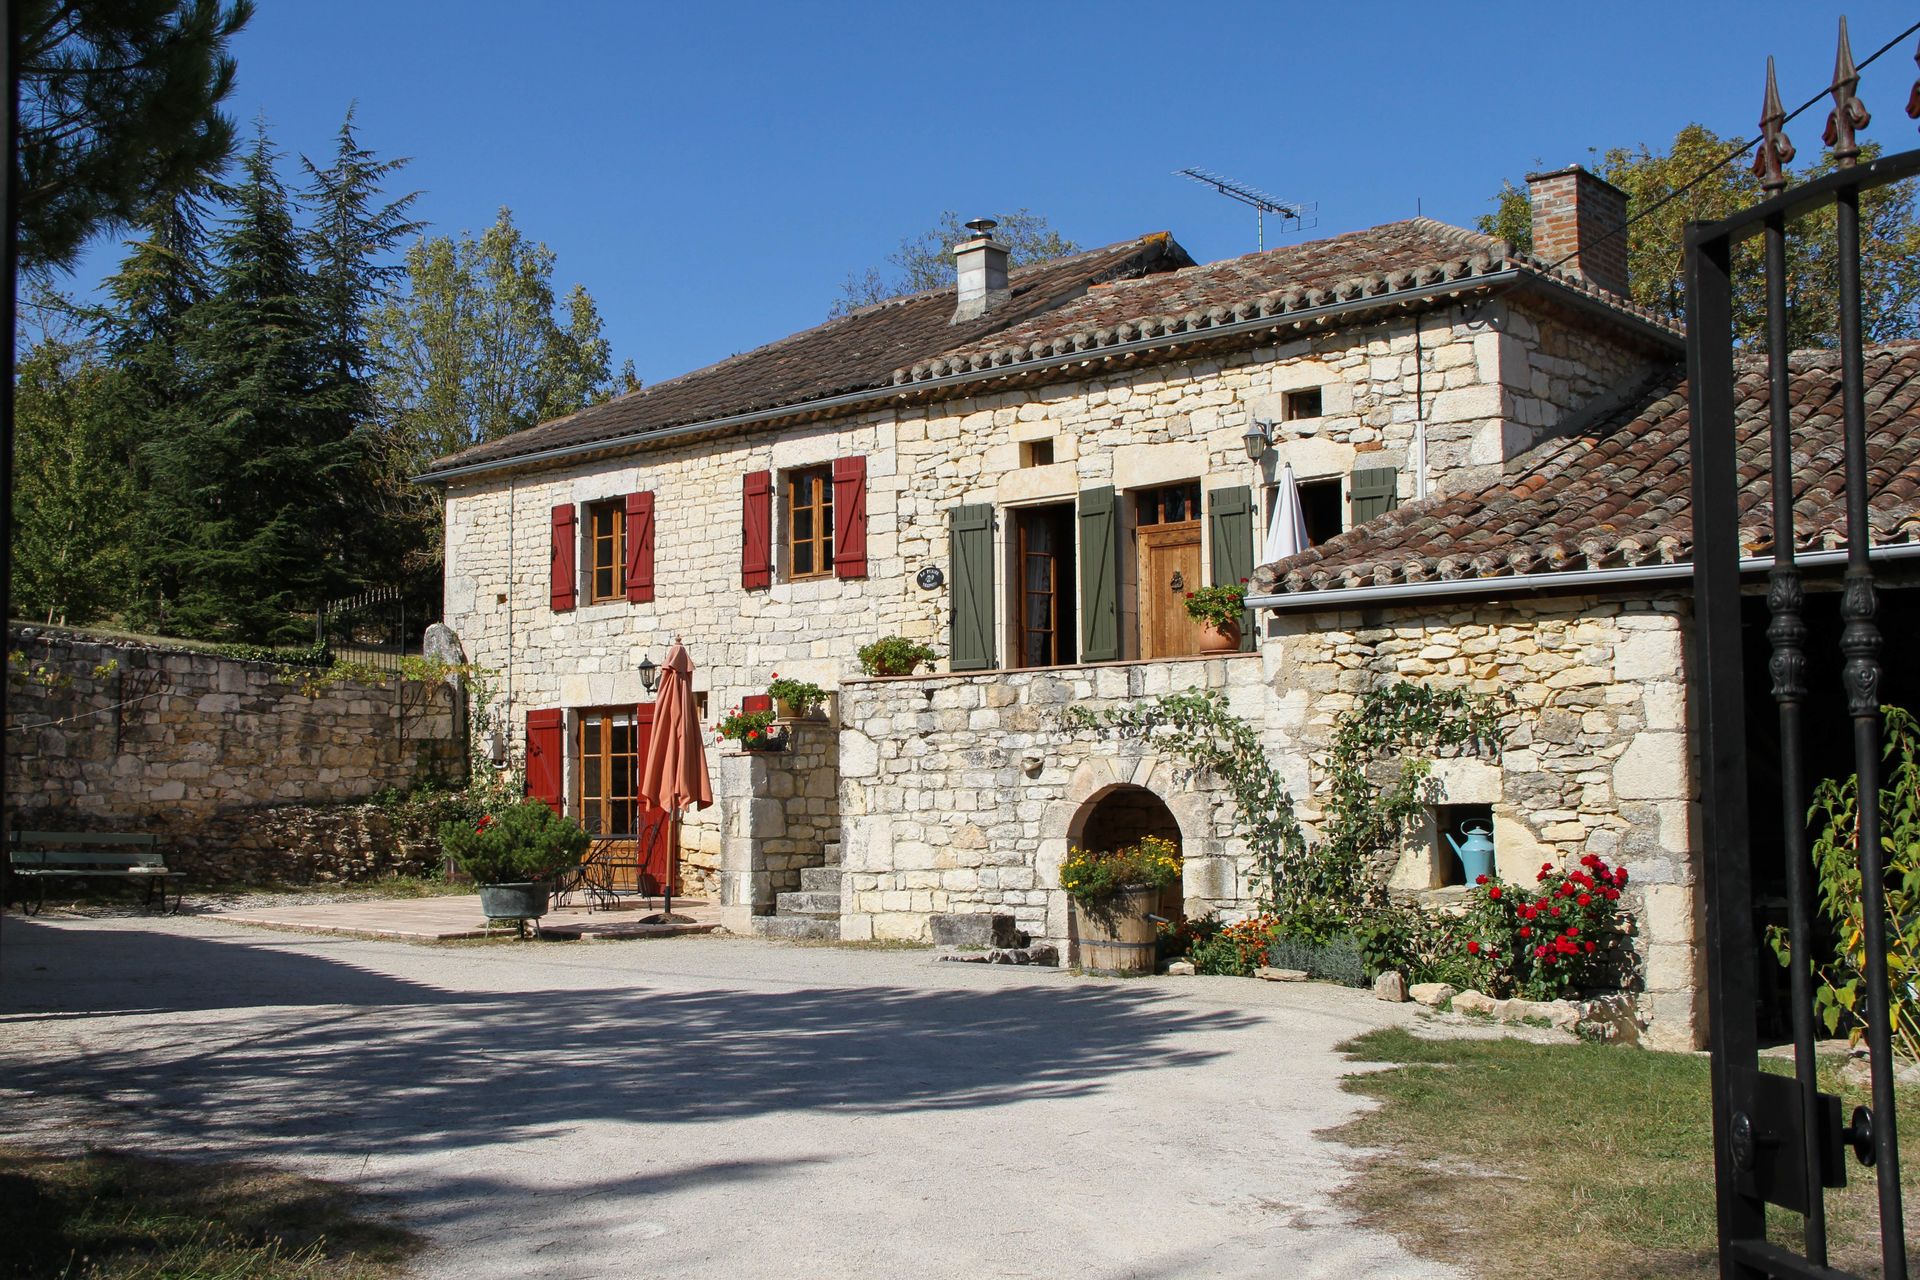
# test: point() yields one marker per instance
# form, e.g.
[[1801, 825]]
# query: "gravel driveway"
[[711, 1106]]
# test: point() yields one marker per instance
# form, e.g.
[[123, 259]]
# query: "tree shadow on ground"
[[331, 1055]]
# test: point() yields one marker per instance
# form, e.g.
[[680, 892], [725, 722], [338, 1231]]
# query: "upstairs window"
[[606, 551], [1320, 509], [810, 523], [1304, 403]]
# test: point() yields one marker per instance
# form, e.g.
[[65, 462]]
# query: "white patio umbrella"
[[1417, 459], [1286, 528]]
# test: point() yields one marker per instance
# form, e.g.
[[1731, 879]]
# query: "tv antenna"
[[1293, 214]]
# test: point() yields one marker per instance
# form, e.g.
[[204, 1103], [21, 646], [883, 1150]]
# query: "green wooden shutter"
[[1375, 491], [970, 560], [1230, 527], [1099, 575]]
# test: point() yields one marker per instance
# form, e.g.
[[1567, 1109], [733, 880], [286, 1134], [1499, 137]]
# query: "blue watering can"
[[1476, 855]]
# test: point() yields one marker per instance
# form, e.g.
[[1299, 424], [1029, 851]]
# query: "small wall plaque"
[[930, 577]]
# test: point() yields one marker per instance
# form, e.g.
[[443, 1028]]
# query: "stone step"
[[807, 904], [833, 853], [802, 927], [820, 879]]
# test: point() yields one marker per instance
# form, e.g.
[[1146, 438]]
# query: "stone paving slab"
[[455, 917]]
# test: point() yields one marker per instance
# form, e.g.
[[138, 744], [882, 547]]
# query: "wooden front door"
[[632, 838], [1169, 560]]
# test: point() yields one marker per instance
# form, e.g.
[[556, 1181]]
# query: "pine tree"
[[351, 240], [163, 277], [119, 110], [74, 495], [249, 485]]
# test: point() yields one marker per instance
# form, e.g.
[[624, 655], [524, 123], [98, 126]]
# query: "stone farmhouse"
[[1030, 469]]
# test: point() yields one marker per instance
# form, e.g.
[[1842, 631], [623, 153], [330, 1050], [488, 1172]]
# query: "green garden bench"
[[40, 856]]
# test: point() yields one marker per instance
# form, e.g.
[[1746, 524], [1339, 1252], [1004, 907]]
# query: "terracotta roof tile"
[[853, 352], [1138, 289], [1380, 261], [1620, 494]]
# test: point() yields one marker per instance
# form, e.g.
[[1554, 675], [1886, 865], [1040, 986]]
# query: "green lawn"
[[1528, 1160], [113, 1216]]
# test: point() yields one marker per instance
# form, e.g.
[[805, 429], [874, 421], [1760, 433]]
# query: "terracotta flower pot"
[[1218, 639]]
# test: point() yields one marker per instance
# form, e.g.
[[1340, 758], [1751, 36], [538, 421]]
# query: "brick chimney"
[[981, 263], [1583, 219]]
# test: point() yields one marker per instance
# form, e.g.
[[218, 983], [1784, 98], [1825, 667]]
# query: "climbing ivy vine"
[[1401, 725]]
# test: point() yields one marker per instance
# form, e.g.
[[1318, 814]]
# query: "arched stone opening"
[[1169, 786], [1120, 816]]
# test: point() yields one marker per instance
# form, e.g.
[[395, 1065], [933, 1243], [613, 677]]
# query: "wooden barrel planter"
[[1116, 938]]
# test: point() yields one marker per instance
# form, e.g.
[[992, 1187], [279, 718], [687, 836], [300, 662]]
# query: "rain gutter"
[[1575, 580]]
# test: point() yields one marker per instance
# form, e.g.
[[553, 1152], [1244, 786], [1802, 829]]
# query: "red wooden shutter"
[[546, 749], [756, 527], [566, 544], [849, 517], [639, 547]]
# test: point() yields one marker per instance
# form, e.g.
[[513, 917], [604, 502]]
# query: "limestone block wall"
[[780, 813], [1470, 372], [248, 778], [961, 793], [1597, 758]]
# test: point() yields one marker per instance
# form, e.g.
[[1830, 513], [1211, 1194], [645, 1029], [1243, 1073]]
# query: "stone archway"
[[1089, 798]]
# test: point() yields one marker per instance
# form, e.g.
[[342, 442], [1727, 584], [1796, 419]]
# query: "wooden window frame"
[[1150, 505], [604, 718], [817, 502], [612, 545], [1292, 404]]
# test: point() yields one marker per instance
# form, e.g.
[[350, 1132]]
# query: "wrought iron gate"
[[1777, 1139], [369, 628]]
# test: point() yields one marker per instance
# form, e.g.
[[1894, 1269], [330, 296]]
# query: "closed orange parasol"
[[673, 774]]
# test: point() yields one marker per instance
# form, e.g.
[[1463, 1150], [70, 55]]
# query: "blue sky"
[[712, 172]]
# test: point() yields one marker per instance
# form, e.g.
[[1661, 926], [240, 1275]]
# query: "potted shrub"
[[513, 854], [753, 730], [1112, 894], [795, 699], [1218, 611], [895, 656]]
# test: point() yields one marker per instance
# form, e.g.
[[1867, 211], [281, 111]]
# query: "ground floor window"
[[1167, 556], [604, 784]]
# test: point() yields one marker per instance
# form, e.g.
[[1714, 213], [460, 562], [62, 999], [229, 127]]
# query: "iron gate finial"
[[1849, 113], [1776, 149], [1913, 99]]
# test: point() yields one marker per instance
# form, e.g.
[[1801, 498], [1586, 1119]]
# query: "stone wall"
[[248, 778], [780, 815], [1470, 371], [1596, 760], [962, 793]]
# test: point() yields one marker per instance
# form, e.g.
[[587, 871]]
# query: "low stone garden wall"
[[247, 778]]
